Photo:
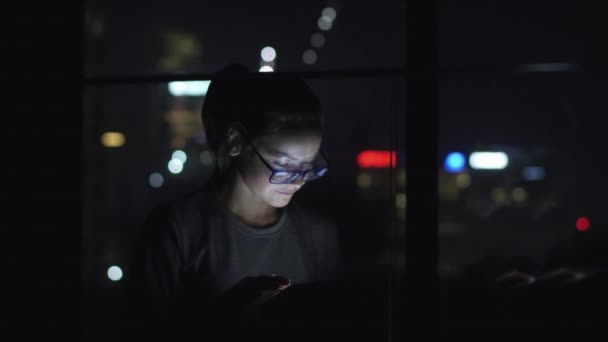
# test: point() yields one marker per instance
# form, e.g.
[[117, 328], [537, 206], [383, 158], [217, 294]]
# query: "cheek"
[[263, 188], [257, 177]]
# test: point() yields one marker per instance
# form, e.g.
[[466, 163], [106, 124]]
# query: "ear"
[[234, 141]]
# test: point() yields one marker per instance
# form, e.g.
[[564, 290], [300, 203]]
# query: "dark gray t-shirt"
[[238, 250], [193, 248]]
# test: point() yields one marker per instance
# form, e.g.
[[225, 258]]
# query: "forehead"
[[298, 144]]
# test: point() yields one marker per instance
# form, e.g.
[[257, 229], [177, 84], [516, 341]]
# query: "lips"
[[286, 193]]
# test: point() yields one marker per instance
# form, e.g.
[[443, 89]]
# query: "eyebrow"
[[283, 154]]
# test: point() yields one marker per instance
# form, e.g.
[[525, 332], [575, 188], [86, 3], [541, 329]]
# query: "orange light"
[[376, 159]]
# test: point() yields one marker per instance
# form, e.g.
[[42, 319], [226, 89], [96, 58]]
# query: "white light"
[[270, 64], [329, 12], [268, 54], [317, 40], [180, 155], [324, 24], [114, 273], [156, 180], [309, 56], [266, 68], [189, 88], [488, 160], [175, 166]]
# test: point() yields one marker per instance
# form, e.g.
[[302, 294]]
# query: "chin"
[[279, 203]]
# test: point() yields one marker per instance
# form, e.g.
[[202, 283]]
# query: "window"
[[145, 144]]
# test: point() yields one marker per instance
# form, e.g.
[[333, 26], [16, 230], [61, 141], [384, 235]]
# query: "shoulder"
[[189, 205], [181, 223], [184, 213]]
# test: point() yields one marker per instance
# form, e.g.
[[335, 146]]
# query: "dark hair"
[[263, 103]]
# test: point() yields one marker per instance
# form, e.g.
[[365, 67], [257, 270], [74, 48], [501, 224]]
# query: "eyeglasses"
[[290, 176]]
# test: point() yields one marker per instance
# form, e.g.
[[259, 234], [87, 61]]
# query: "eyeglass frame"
[[296, 173]]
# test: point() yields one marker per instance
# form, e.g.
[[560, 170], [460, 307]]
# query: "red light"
[[376, 158], [582, 224]]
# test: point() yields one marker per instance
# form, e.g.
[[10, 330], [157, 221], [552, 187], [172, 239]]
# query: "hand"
[[251, 291]]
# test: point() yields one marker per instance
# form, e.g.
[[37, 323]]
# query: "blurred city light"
[[112, 139], [533, 173], [97, 27], [206, 158], [519, 195], [180, 155], [499, 195], [376, 159], [317, 40], [329, 13], [309, 56], [156, 180], [268, 54], [401, 177], [189, 88], [454, 162], [400, 200], [489, 160], [549, 67], [266, 68], [582, 224], [175, 166], [364, 180], [270, 64], [324, 24], [114, 273], [463, 180]]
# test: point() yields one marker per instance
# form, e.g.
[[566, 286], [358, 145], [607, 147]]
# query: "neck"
[[244, 203]]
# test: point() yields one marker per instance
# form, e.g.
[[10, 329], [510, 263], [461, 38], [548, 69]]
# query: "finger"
[[265, 282], [283, 281], [283, 287]]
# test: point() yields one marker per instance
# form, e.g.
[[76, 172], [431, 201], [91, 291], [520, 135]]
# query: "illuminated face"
[[295, 150]]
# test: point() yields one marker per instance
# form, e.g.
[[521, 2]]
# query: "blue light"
[[533, 173], [454, 162]]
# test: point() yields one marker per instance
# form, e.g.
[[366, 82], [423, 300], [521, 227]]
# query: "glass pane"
[[187, 36], [480, 32], [133, 132], [521, 223]]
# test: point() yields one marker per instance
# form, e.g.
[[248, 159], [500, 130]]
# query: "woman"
[[239, 240]]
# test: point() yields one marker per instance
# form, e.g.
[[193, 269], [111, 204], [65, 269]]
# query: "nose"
[[297, 183]]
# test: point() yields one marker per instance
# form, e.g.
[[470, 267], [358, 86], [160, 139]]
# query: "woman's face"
[[293, 150]]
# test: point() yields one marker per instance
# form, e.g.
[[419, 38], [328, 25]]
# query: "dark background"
[[72, 207]]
